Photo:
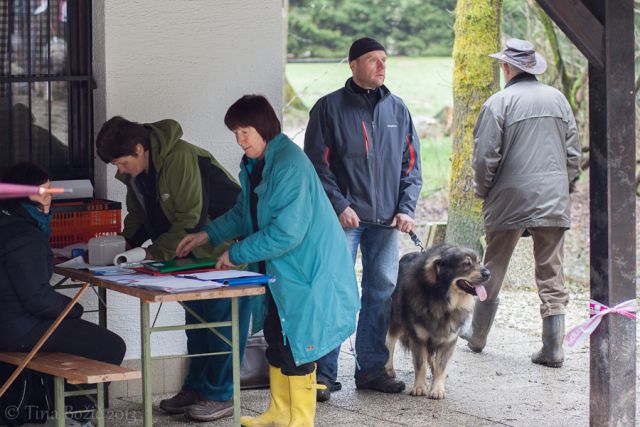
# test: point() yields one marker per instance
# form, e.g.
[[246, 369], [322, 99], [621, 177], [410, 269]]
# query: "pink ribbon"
[[577, 335]]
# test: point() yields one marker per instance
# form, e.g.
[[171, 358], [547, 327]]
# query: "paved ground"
[[498, 387]]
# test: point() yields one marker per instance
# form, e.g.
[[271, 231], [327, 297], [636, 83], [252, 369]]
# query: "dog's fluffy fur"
[[432, 299]]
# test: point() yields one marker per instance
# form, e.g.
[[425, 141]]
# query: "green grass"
[[435, 155], [423, 83]]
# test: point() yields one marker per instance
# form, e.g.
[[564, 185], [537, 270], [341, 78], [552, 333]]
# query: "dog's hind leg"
[[439, 362], [419, 355], [391, 345]]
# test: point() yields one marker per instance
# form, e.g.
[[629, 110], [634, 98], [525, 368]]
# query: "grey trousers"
[[548, 253]]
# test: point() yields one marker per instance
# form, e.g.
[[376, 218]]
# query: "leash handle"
[[416, 240]]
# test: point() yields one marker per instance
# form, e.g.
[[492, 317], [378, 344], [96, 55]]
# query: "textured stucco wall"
[[187, 60]]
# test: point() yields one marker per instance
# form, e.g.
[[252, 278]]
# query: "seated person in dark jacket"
[[28, 303]]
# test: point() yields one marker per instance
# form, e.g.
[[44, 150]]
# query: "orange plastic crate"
[[79, 221]]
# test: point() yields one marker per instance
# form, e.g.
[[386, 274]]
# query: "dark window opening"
[[46, 105]]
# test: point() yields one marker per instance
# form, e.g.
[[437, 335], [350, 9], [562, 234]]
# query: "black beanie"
[[362, 46]]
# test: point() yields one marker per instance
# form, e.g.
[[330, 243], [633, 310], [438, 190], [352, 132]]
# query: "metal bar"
[[201, 320], [145, 342], [80, 392], [44, 78], [102, 307], [235, 356], [58, 400], [194, 326], [100, 406], [191, 356], [579, 24], [612, 228]]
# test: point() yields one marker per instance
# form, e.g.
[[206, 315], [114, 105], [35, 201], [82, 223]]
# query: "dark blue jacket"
[[26, 265], [368, 159]]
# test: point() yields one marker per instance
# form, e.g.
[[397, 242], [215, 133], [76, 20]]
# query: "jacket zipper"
[[366, 137], [412, 155]]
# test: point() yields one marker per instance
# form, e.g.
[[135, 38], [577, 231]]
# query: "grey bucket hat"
[[521, 54]]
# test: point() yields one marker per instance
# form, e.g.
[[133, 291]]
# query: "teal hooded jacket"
[[304, 249]]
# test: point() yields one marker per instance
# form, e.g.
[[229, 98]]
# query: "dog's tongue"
[[481, 292]]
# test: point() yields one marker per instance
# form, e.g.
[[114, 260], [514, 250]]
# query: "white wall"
[[188, 60]]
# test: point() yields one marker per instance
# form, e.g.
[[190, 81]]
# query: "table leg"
[[145, 342], [102, 307], [58, 398], [235, 356]]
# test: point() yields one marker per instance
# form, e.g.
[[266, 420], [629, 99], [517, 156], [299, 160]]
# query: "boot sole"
[[211, 417]]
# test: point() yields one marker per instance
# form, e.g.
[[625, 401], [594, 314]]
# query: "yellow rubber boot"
[[278, 414], [302, 390]]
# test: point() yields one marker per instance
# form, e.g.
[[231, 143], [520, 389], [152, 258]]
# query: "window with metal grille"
[[46, 85]]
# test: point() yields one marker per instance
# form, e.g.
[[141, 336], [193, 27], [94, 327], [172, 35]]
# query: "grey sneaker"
[[181, 401], [209, 410]]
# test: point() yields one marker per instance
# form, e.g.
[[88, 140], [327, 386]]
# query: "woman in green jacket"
[[292, 234]]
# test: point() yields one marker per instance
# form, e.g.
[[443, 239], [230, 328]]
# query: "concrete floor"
[[498, 387]]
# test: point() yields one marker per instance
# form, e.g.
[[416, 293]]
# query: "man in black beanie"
[[365, 149]]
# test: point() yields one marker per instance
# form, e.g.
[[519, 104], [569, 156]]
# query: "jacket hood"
[[165, 134]]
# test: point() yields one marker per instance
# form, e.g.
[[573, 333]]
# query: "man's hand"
[[190, 242], [349, 218], [224, 262], [402, 222]]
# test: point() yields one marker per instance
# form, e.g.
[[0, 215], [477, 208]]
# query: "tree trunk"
[[475, 77]]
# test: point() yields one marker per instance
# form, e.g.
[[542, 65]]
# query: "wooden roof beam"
[[579, 24]]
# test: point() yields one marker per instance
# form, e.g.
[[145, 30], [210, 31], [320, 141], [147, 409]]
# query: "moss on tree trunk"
[[475, 77]]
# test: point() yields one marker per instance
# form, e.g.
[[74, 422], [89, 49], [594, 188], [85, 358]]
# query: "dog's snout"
[[485, 273]]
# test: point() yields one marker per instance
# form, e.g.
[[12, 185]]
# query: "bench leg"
[[145, 341], [100, 404], [58, 400]]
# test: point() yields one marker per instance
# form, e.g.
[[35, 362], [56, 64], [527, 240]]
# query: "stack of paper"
[[192, 282]]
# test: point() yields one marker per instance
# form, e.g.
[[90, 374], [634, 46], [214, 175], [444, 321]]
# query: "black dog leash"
[[416, 240], [413, 235]]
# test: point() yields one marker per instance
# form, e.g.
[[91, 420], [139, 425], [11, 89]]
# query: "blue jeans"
[[212, 376], [379, 247]]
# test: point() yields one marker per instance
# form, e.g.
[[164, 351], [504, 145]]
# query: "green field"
[[423, 83]]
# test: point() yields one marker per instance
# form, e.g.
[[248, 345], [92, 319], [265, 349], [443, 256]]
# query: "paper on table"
[[174, 284], [219, 274], [77, 263]]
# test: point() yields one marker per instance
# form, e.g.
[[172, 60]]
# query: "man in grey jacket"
[[364, 147], [526, 155]]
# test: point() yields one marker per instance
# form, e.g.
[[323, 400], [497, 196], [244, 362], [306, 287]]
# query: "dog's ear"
[[431, 269]]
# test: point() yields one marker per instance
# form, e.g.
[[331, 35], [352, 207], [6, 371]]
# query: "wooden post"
[[613, 220]]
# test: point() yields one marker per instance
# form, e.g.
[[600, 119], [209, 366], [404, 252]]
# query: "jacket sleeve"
[[29, 278], [184, 185], [574, 147], [289, 201], [411, 175], [228, 225], [319, 147], [487, 142]]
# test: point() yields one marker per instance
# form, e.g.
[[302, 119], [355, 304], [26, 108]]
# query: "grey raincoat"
[[526, 152]]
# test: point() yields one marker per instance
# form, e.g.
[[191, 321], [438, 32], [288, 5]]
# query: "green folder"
[[181, 264]]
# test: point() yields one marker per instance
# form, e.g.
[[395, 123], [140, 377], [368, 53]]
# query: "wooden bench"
[[76, 370]]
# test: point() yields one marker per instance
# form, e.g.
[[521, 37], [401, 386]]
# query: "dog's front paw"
[[436, 392], [418, 390], [391, 372]]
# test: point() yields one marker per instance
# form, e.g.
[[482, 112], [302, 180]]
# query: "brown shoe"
[[181, 401], [209, 410]]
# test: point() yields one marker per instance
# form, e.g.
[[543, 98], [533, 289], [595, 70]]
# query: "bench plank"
[[75, 369]]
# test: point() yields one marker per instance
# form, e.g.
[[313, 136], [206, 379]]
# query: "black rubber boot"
[[483, 315], [551, 354]]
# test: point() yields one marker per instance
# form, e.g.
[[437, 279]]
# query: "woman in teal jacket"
[[292, 234]]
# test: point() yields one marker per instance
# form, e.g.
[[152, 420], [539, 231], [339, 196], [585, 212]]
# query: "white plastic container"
[[102, 250]]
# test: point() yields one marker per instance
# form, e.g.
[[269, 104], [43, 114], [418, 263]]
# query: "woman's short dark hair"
[[255, 111], [118, 137], [25, 173]]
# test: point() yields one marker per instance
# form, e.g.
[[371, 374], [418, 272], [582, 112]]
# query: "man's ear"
[[139, 150], [431, 269]]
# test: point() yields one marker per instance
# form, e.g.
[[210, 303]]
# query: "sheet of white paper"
[[76, 263], [220, 274]]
